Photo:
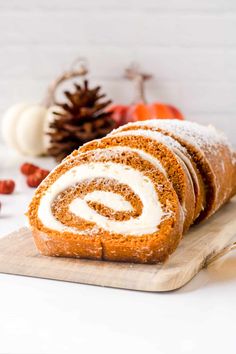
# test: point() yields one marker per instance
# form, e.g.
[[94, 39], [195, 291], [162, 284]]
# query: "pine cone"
[[82, 118]]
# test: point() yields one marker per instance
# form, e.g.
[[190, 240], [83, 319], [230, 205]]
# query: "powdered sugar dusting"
[[196, 134], [154, 135]]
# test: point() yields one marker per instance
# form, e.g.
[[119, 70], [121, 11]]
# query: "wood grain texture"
[[18, 255]]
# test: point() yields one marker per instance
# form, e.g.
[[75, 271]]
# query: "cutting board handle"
[[223, 252]]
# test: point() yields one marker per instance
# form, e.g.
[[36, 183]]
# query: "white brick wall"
[[189, 46]]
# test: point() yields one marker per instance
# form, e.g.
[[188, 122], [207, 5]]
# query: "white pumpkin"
[[50, 117], [24, 127]]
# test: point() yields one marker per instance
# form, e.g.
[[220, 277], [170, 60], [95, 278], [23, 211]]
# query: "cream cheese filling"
[[147, 223], [111, 200]]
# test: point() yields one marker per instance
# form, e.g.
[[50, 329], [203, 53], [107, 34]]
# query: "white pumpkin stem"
[[78, 68], [133, 73]]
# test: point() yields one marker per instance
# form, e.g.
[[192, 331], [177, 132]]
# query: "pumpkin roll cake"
[[107, 204], [131, 195]]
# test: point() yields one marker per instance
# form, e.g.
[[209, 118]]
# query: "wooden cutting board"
[[18, 255]]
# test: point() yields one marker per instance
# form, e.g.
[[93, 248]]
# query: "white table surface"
[[43, 316]]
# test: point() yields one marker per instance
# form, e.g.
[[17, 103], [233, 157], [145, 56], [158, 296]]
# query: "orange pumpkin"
[[141, 110]]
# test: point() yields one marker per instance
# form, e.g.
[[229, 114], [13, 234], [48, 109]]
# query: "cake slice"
[[107, 204], [210, 151]]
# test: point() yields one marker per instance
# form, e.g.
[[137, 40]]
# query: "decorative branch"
[[133, 73], [78, 68]]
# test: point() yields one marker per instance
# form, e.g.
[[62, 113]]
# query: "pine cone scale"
[[82, 118]]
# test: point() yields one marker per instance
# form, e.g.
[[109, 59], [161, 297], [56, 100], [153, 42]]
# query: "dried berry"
[[41, 173], [35, 179], [7, 186], [28, 168]]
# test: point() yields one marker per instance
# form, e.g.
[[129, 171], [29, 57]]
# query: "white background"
[[189, 46]]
